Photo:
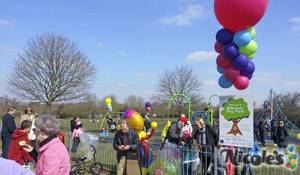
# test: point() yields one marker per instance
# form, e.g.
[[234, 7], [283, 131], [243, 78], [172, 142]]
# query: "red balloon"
[[218, 47], [237, 15], [241, 82], [223, 62], [231, 73]]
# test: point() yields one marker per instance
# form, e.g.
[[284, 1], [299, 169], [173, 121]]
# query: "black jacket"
[[133, 141], [281, 137], [8, 125], [73, 124], [173, 134], [211, 136]]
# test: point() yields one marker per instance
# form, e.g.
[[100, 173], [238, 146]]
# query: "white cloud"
[[121, 85], [292, 83], [266, 77], [201, 56], [209, 83], [4, 23], [296, 23], [185, 17], [99, 45]]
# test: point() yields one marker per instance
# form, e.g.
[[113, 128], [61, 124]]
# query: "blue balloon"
[[242, 38], [220, 70], [249, 69], [250, 76], [224, 36], [240, 62], [231, 51], [224, 83]]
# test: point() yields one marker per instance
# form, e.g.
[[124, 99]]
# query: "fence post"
[[215, 161]]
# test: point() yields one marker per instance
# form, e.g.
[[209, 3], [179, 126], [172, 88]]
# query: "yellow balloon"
[[293, 161], [142, 134], [118, 127], [165, 130], [153, 125], [108, 100], [136, 122], [298, 136]]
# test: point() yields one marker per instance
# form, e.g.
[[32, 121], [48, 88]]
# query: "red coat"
[[16, 152]]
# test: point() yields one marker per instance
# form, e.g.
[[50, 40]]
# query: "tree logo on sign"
[[235, 110]]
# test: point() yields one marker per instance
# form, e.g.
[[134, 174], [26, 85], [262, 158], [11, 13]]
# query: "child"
[[19, 139], [78, 130], [187, 128]]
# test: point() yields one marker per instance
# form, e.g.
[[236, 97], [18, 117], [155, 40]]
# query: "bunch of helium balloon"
[[144, 153], [235, 42], [108, 102]]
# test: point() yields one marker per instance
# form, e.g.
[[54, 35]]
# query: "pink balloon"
[[237, 15], [223, 62], [231, 73], [219, 47], [241, 82]]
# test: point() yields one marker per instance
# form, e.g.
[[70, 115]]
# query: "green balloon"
[[252, 31], [251, 56], [249, 49], [293, 165], [170, 168]]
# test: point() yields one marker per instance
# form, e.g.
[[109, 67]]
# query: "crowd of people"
[[180, 133], [37, 140], [277, 130]]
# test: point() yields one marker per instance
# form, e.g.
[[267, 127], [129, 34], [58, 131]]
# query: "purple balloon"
[[240, 62], [231, 50], [250, 76], [224, 36], [148, 104], [249, 69]]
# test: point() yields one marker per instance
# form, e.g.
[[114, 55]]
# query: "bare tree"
[[135, 102], [181, 80], [290, 103], [51, 69]]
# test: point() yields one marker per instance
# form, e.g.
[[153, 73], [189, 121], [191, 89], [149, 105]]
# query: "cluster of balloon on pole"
[[235, 41], [108, 102]]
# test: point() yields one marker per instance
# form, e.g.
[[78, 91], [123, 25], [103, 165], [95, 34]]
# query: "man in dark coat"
[[125, 143], [8, 127], [281, 136], [207, 139], [262, 130]]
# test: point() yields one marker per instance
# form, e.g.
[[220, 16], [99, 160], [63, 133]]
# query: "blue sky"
[[132, 42]]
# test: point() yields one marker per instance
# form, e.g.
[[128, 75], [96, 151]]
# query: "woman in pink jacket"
[[52, 157]]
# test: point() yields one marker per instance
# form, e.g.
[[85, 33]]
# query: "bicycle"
[[87, 167]]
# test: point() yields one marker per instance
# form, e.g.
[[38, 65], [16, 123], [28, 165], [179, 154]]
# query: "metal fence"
[[104, 153], [190, 160]]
